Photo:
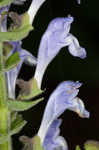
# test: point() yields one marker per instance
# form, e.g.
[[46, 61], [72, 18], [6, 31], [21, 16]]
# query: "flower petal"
[[51, 43], [75, 49], [53, 140], [11, 76], [35, 5], [64, 97], [80, 108], [78, 1], [4, 20]]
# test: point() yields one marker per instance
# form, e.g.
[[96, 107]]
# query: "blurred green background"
[[66, 67]]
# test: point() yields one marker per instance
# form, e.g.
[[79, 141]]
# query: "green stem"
[[4, 113]]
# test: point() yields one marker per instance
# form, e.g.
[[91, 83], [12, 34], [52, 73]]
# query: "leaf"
[[91, 145], [19, 33], [12, 61], [16, 105], [78, 147], [16, 126], [34, 91], [4, 2]]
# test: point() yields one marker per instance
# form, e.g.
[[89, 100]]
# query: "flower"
[[11, 75], [56, 37], [3, 19], [78, 1], [35, 5], [64, 97]]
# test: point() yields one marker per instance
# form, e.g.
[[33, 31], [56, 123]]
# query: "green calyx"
[[17, 33]]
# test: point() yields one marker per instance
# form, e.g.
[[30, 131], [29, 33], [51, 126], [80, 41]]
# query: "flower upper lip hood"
[[56, 37], [60, 24], [64, 97]]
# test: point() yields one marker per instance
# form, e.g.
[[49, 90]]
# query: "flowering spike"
[[64, 97]]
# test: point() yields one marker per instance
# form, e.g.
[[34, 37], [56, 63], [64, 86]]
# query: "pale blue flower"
[[64, 97], [3, 26], [35, 5], [78, 1], [56, 37], [12, 75]]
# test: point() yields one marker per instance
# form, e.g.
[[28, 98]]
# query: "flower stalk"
[[4, 112]]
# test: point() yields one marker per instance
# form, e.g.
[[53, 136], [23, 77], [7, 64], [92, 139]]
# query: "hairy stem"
[[4, 113]]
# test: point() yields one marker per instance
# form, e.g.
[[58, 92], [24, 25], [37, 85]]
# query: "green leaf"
[[4, 3], [12, 61], [91, 145], [16, 105], [19, 33], [34, 91], [16, 126], [78, 147]]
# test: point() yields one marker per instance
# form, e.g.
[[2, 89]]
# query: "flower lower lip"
[[79, 113], [78, 85], [82, 115]]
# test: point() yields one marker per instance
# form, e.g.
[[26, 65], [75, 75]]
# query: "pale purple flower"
[[3, 26], [56, 37], [12, 75], [35, 5], [64, 97], [78, 1]]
